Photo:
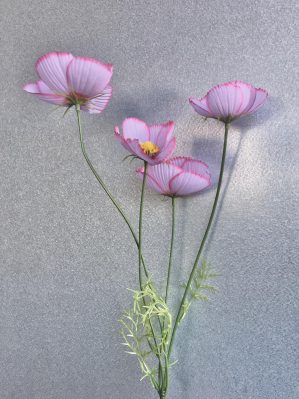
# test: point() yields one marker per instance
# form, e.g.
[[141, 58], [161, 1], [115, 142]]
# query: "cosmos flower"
[[152, 143], [229, 101], [178, 176], [67, 80]]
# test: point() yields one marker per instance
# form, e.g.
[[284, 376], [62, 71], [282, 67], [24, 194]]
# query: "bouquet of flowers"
[[149, 327]]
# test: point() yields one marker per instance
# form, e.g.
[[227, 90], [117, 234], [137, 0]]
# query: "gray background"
[[66, 256]]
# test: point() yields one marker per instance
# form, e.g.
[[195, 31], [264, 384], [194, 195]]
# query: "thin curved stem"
[[104, 187], [202, 244], [171, 246]]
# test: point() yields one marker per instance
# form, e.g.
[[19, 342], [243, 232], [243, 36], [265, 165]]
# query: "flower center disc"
[[149, 148]]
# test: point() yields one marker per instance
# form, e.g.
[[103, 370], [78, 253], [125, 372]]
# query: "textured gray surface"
[[66, 257]]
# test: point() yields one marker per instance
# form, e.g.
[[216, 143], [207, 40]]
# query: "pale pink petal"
[[99, 103], [229, 100], [134, 128], [161, 134], [187, 183], [261, 96], [120, 138], [200, 105], [162, 174], [248, 97], [188, 164], [43, 92], [225, 100], [151, 181], [177, 161], [52, 70], [165, 152], [88, 77], [196, 166]]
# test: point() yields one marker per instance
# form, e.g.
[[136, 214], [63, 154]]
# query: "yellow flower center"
[[149, 148]]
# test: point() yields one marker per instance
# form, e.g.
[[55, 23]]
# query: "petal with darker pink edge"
[[165, 152], [162, 174], [43, 92], [248, 97], [134, 128], [97, 104], [51, 68], [87, 76], [120, 138], [188, 183], [151, 181], [225, 100], [200, 106], [196, 166], [261, 97], [161, 134]]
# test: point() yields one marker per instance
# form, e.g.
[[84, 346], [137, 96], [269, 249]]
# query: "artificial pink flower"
[[67, 80], [152, 143], [229, 101], [178, 176]]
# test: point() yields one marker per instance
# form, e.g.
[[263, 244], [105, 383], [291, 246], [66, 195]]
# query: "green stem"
[[171, 246], [202, 244], [140, 225], [103, 185], [139, 266], [164, 385]]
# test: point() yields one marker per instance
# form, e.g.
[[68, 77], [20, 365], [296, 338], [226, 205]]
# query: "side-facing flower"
[[177, 177], [152, 143], [67, 80], [229, 101]]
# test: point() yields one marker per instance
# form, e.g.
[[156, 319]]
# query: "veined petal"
[[188, 164], [187, 183], [151, 181], [196, 166], [134, 128], [260, 98], [248, 97], [87, 76], [97, 104], [165, 152], [161, 134], [52, 68], [225, 100], [229, 100], [43, 92], [200, 105], [120, 138], [162, 174]]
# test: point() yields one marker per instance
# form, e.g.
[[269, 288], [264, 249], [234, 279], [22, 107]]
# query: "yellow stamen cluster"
[[149, 148]]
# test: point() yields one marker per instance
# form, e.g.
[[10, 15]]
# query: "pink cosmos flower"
[[229, 101], [67, 80], [178, 176], [152, 143]]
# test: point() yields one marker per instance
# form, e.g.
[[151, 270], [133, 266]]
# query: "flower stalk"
[[203, 241], [104, 187], [140, 226], [171, 245]]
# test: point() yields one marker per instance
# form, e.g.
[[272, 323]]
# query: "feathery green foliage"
[[200, 287], [146, 330]]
